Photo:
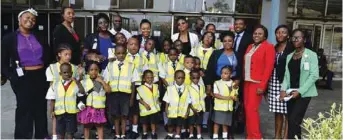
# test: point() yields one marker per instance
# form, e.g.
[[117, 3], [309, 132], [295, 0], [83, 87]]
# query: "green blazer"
[[307, 86]]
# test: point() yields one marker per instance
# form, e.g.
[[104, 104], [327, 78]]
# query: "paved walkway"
[[318, 104]]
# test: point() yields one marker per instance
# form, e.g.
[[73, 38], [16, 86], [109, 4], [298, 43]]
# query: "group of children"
[[140, 86]]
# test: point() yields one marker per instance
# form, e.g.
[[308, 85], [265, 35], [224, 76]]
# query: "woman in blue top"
[[99, 46], [220, 58]]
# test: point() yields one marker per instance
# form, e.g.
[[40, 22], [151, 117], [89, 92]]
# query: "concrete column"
[[274, 13]]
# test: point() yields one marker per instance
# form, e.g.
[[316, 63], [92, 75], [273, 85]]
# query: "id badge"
[[94, 46], [111, 53], [20, 71], [306, 66]]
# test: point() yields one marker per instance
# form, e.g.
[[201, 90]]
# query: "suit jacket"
[[243, 45], [307, 86], [9, 54], [62, 35], [280, 68], [158, 45], [262, 63]]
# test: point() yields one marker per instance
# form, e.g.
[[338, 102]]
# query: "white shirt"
[[125, 32], [238, 40], [215, 88], [182, 88], [106, 76]]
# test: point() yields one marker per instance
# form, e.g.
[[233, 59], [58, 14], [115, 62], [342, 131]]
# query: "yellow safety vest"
[[120, 80], [151, 98], [187, 78], [218, 44], [152, 62], [169, 70], [204, 58], [139, 63], [94, 99], [177, 105], [224, 90], [55, 70], [163, 57], [65, 100], [198, 97], [181, 60]]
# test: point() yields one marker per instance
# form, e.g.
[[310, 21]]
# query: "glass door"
[[332, 45], [313, 35]]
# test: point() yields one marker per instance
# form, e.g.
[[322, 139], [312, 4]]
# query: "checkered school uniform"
[[275, 105]]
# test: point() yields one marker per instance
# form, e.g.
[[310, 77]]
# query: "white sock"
[[177, 136], [54, 137], [224, 135], [114, 127], [205, 118], [145, 133], [190, 135], [183, 130], [134, 128], [170, 134], [215, 136], [199, 136], [122, 136]]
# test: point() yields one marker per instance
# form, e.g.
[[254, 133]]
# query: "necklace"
[[298, 55]]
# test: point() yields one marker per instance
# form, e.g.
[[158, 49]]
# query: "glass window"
[[311, 8], [131, 22], [160, 25], [22, 2], [334, 8], [249, 6], [78, 4], [187, 5], [6, 1], [335, 63], [131, 4], [38, 2], [221, 23], [158, 5], [290, 9], [218, 6]]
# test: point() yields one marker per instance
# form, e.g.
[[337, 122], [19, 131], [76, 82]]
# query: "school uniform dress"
[[120, 76], [223, 108], [94, 113], [150, 95], [18, 51], [258, 67], [301, 74]]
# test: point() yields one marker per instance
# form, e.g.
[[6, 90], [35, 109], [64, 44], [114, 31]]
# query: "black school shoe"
[[154, 136], [192, 137], [133, 135], [168, 137], [144, 136], [184, 135]]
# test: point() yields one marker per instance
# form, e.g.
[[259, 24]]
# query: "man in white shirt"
[[117, 27]]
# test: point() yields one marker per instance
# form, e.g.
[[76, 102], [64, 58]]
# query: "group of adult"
[[288, 70]]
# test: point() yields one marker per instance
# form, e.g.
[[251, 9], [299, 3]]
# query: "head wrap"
[[30, 10]]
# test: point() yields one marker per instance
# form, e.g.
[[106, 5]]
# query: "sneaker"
[[184, 135], [133, 135], [115, 137], [168, 137], [145, 136], [200, 138], [154, 136], [123, 137]]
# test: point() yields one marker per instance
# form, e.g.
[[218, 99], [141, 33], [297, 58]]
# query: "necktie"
[[133, 58], [148, 56], [204, 51], [120, 64], [174, 65], [179, 91], [198, 87], [236, 43]]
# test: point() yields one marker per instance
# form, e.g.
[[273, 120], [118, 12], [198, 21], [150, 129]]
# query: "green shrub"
[[327, 126]]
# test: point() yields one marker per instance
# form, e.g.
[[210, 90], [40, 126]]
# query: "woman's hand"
[[259, 91], [295, 94], [283, 94], [235, 84]]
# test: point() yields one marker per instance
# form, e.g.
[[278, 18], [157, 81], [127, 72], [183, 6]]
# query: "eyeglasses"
[[297, 38]]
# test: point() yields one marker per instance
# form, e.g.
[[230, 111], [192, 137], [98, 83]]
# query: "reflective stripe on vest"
[[177, 106], [152, 62], [182, 59], [65, 100], [198, 98], [139, 63], [204, 58], [55, 71], [187, 78], [94, 99], [218, 44], [224, 105], [151, 98], [120, 80], [170, 71]]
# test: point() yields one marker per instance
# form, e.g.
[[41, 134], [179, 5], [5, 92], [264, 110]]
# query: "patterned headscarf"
[[30, 10]]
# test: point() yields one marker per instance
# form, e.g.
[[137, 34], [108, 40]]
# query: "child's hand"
[[235, 84], [202, 74], [147, 107], [99, 79], [234, 98]]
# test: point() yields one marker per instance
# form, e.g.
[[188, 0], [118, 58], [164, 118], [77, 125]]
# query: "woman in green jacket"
[[299, 82]]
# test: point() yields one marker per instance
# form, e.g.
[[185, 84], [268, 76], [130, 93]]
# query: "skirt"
[[222, 117], [91, 115], [275, 105]]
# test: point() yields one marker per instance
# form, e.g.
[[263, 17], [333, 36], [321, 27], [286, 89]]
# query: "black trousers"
[[296, 109], [31, 111]]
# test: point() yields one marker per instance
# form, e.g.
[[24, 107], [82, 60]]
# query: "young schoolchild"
[[177, 105], [178, 45], [121, 75], [140, 64], [188, 66], [198, 95], [197, 66], [151, 57], [64, 106], [96, 89], [149, 106], [52, 73], [225, 93], [167, 69], [167, 44], [205, 50]]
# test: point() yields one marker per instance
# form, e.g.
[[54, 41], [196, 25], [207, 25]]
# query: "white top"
[[193, 38], [182, 87], [228, 83], [238, 40], [134, 78], [125, 32], [248, 63]]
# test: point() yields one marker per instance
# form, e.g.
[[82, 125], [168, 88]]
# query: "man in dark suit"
[[242, 40]]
